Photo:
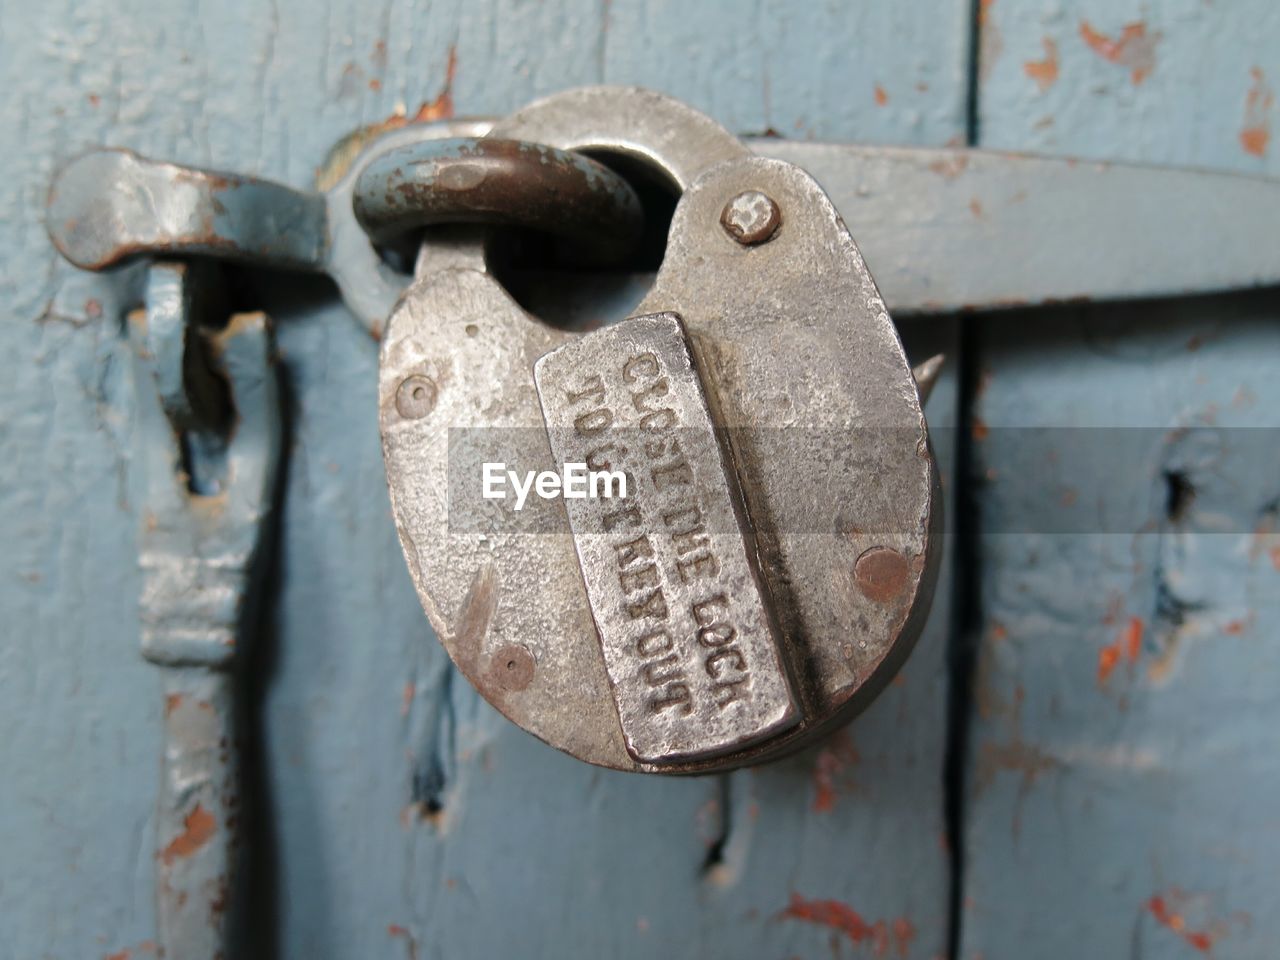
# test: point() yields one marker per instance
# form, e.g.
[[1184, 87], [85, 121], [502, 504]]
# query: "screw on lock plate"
[[771, 564]]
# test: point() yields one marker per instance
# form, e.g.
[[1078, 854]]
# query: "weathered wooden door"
[[1079, 758]]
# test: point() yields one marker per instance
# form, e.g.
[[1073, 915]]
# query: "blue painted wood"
[[1182, 82], [364, 730], [1122, 777]]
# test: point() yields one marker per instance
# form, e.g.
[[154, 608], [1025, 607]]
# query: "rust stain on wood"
[[990, 42], [1044, 72], [1256, 133], [831, 771], [441, 108], [199, 825], [1167, 912], [1125, 648], [950, 167], [403, 933], [1134, 49], [880, 936]]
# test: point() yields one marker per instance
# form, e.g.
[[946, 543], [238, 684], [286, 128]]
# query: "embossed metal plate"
[[688, 643]]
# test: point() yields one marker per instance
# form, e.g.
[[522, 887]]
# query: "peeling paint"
[[1134, 49], [950, 167], [403, 933], [1256, 133], [1167, 911], [1234, 628], [990, 42], [1044, 72], [441, 108], [831, 771], [1125, 648], [1016, 756], [880, 935], [200, 826]]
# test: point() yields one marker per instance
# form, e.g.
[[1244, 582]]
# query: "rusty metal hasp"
[[943, 229], [208, 429]]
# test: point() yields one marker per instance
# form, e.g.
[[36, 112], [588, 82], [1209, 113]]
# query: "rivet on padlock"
[[771, 566]]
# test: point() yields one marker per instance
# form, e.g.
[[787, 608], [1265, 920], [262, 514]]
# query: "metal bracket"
[[942, 229], [209, 429]]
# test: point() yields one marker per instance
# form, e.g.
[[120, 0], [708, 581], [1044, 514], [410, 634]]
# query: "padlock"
[[772, 561]]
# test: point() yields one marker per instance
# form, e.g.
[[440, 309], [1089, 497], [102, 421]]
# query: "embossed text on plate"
[[692, 656]]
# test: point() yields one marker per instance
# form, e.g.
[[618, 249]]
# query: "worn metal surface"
[[976, 229], [751, 217], [688, 638], [109, 205], [497, 181], [853, 428], [408, 816], [205, 505], [941, 226], [369, 285]]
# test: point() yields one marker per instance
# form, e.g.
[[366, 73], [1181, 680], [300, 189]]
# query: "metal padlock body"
[[803, 367]]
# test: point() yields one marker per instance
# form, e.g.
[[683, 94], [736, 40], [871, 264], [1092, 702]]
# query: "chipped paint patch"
[[199, 825], [1234, 628], [1134, 49], [441, 108], [1168, 911], [990, 42], [1016, 756], [880, 935], [904, 931], [398, 932], [1124, 649], [1256, 132], [831, 771], [1044, 72], [882, 98], [348, 148], [950, 167]]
